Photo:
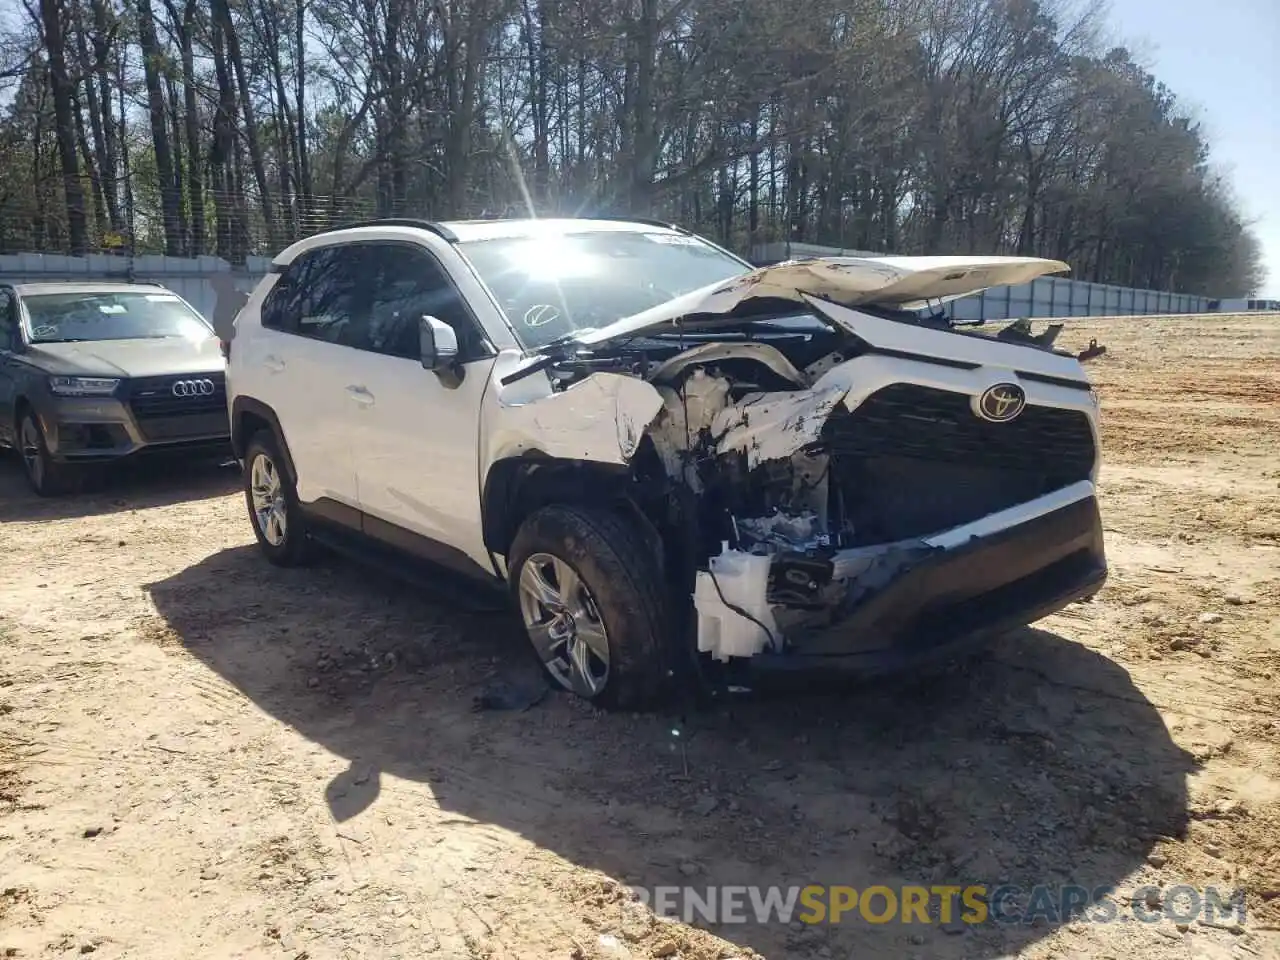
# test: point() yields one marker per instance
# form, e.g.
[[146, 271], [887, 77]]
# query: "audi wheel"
[[46, 476]]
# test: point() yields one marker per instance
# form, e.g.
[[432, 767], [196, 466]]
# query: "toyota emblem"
[[193, 388], [1001, 402]]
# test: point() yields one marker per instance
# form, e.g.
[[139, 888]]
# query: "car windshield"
[[553, 286], [70, 317]]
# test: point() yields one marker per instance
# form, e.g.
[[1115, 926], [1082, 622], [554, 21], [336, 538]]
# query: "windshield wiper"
[[563, 339]]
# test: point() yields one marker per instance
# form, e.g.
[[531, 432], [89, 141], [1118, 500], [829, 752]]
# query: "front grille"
[[912, 460], [165, 429], [906, 420], [152, 398]]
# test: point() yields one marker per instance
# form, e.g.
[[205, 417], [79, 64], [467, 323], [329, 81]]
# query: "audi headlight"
[[83, 386]]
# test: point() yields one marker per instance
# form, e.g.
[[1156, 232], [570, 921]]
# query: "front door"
[[417, 443]]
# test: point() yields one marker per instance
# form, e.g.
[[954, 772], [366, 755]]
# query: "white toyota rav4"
[[683, 468]]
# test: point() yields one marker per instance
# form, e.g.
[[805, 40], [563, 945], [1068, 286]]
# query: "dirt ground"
[[203, 756]]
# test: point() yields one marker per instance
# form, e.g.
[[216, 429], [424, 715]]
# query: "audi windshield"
[[553, 286], [133, 315]]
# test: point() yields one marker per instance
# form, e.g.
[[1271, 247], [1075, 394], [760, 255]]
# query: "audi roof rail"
[[438, 229]]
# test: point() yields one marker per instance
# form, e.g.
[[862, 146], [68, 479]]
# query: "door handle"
[[273, 363], [360, 395]]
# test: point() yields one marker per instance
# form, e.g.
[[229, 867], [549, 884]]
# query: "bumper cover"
[[80, 429], [938, 602]]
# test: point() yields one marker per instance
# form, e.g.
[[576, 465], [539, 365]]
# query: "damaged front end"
[[861, 489]]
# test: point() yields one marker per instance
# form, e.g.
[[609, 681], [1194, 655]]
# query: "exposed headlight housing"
[[83, 386]]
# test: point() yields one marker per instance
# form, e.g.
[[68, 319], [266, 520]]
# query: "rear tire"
[[594, 603], [46, 476], [272, 501]]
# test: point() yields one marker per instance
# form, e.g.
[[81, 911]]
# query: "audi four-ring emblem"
[[193, 388]]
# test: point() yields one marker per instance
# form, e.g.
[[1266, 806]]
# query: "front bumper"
[[86, 429], [940, 601]]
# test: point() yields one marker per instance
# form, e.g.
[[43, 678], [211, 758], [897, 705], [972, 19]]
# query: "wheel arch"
[[21, 404], [248, 416], [11, 425], [517, 486]]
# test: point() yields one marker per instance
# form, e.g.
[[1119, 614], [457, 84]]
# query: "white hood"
[[906, 283]]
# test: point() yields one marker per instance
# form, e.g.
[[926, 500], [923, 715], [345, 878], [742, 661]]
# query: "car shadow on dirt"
[[1038, 764], [134, 485]]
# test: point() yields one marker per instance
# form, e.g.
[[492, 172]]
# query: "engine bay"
[[813, 488]]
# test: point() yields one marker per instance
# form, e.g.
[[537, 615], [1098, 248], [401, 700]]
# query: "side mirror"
[[438, 344]]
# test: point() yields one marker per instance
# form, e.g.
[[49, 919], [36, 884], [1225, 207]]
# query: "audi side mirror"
[[437, 343]]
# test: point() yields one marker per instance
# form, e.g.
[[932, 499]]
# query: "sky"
[[1222, 59]]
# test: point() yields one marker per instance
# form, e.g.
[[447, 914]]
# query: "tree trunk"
[[304, 155], [63, 92], [184, 28], [98, 103], [170, 202], [644, 125], [176, 134], [227, 201], [222, 13], [95, 181]]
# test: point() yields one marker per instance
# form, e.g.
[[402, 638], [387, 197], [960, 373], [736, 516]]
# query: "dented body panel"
[[905, 282], [869, 472], [598, 420]]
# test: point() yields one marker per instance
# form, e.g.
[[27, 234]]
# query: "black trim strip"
[[329, 511], [1055, 381], [423, 547], [374, 539], [921, 358]]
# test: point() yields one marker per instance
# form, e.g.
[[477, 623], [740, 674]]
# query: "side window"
[[317, 295], [282, 308], [8, 320], [403, 285]]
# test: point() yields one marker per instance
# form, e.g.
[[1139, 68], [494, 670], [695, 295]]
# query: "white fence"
[[1059, 297], [217, 290]]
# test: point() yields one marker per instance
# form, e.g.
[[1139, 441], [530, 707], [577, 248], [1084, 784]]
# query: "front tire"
[[593, 601], [46, 476], [272, 501]]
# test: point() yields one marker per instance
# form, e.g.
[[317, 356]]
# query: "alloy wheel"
[[269, 507], [564, 624], [32, 451]]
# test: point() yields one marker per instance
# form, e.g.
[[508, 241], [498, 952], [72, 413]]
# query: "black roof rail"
[[647, 221], [438, 229]]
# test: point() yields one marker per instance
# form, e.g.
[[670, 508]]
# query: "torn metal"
[[825, 432]]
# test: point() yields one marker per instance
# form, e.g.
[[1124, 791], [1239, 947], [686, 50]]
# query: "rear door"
[[300, 367]]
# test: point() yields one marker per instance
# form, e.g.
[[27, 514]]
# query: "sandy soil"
[[203, 756]]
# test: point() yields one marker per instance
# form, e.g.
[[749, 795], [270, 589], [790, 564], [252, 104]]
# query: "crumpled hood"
[[128, 358], [906, 283]]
